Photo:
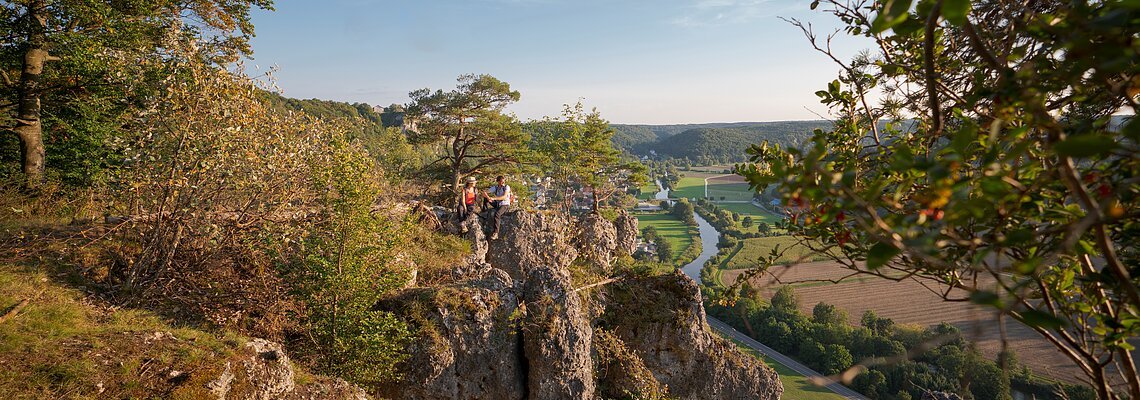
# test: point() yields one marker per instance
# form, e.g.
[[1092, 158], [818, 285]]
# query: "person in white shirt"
[[500, 197]]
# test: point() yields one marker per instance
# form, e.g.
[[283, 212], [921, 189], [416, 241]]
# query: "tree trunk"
[[28, 125]]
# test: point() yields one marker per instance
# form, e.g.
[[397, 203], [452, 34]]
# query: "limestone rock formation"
[[556, 338], [626, 233], [522, 331], [530, 240], [661, 319], [263, 372], [596, 240], [469, 349]]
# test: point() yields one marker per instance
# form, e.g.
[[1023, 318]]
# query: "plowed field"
[[909, 302]]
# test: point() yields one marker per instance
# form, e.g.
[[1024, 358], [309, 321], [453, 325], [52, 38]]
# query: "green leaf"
[[985, 298], [1132, 129], [892, 13], [1039, 319], [879, 254], [956, 11], [814, 4], [1085, 146]]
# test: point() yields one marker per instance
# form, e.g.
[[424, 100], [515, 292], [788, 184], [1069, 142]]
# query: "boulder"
[[596, 240], [527, 240], [262, 371], [556, 338], [662, 320], [468, 347], [626, 233]]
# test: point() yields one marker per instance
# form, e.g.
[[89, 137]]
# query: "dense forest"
[[711, 143]]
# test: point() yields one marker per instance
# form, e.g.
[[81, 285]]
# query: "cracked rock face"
[[596, 240], [529, 240], [661, 319], [468, 349], [556, 338], [626, 233], [518, 330]]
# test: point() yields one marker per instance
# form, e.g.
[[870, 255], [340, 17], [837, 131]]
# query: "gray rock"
[[262, 371], [626, 233], [468, 349], [556, 338], [528, 240], [596, 240], [661, 319]]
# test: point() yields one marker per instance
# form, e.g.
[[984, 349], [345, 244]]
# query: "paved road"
[[782, 359]]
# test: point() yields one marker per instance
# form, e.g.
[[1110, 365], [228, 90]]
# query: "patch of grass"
[[760, 248], [748, 210], [690, 187], [60, 346], [648, 191], [796, 386], [669, 227], [730, 191]]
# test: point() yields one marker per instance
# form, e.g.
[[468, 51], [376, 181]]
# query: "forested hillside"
[[711, 143]]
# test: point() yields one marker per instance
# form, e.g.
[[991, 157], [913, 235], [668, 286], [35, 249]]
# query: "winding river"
[[709, 238]]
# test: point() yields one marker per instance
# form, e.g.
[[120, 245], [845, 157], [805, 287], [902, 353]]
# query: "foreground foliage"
[[1012, 181]]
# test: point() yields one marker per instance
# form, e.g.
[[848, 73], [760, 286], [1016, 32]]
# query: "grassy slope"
[[61, 346], [795, 385], [672, 229]]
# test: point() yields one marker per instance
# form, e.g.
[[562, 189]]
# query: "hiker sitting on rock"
[[467, 200], [500, 197]]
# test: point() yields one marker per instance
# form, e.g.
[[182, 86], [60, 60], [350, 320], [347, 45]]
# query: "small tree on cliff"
[[578, 148], [470, 125]]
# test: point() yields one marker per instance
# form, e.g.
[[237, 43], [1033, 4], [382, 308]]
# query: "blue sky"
[[636, 61]]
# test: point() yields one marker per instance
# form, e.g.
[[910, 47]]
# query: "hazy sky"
[[637, 61]]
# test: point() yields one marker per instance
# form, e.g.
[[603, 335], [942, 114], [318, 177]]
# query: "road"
[[782, 359]]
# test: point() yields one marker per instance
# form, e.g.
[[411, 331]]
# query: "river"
[[709, 238]]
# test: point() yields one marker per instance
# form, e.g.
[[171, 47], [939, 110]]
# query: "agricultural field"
[[669, 227], [729, 188], [909, 302], [690, 186], [746, 254], [748, 210]]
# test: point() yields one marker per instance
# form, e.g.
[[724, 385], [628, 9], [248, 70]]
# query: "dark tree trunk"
[[28, 125]]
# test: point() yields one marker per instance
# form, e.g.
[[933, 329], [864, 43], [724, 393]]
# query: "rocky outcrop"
[[596, 241], [522, 331], [662, 321], [531, 240], [626, 226], [262, 371], [556, 338], [469, 346]]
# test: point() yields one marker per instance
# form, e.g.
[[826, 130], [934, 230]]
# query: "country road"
[[782, 359]]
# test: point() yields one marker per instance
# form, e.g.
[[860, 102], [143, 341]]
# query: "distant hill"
[[711, 143]]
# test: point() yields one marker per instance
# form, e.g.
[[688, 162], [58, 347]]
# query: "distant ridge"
[[711, 142]]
